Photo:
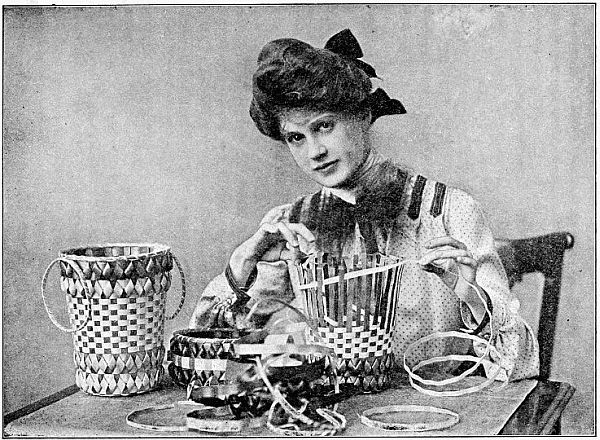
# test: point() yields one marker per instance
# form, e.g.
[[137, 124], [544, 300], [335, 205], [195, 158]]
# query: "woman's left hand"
[[444, 250]]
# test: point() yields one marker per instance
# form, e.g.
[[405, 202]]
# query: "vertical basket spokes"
[[350, 292]]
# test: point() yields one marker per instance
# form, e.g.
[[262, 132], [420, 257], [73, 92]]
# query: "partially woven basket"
[[352, 302], [116, 297]]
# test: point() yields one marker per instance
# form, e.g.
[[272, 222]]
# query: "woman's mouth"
[[326, 167]]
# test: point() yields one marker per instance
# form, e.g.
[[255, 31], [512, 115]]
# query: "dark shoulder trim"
[[438, 199], [416, 197], [296, 210]]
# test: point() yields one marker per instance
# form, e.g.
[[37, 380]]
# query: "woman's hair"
[[293, 75]]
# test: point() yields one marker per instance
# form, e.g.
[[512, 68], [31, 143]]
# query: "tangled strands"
[[270, 384], [334, 421]]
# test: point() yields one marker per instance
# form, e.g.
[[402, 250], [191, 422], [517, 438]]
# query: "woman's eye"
[[294, 138], [325, 126]]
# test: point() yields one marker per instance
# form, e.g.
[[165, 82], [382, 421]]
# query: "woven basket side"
[[202, 348], [358, 343], [118, 325], [117, 288], [122, 363], [118, 384]]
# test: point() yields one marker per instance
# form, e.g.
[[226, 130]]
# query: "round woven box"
[[116, 296], [351, 303], [201, 355], [199, 360]]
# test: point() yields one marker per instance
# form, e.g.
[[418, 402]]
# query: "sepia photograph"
[[325, 219]]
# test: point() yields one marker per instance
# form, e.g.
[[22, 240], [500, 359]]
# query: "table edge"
[[39, 404]]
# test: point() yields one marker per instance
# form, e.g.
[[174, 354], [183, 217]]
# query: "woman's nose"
[[316, 149]]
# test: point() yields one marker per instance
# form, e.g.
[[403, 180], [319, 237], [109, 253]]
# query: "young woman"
[[320, 104]]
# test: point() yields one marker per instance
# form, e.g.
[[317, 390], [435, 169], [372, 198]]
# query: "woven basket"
[[116, 296], [201, 356], [352, 302], [203, 360]]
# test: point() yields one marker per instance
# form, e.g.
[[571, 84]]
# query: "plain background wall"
[[130, 124]]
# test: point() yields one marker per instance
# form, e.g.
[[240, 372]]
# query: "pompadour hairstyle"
[[293, 75]]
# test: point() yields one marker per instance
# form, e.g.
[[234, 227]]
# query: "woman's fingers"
[[289, 232], [445, 241], [468, 261], [221, 315], [302, 231], [282, 241], [443, 254]]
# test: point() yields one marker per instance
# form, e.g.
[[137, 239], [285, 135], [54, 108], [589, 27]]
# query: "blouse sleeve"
[[517, 352], [272, 281]]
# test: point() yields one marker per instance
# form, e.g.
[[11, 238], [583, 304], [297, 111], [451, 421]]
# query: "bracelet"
[[240, 293], [391, 426]]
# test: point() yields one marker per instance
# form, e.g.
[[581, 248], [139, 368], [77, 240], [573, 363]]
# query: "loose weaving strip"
[[489, 348], [351, 275]]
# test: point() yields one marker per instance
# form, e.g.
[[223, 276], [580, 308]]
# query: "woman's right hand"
[[274, 240]]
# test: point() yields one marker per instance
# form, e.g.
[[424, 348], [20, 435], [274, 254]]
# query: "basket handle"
[[77, 269], [180, 306]]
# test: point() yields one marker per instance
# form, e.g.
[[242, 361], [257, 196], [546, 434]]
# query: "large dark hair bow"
[[345, 44]]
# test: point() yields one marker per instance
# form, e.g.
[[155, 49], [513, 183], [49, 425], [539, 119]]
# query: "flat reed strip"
[[385, 299], [368, 290], [351, 288], [341, 289], [377, 288], [400, 272], [303, 296], [310, 295], [359, 293], [391, 309], [335, 289], [328, 271], [320, 292]]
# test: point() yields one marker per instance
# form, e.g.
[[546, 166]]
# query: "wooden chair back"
[[543, 254]]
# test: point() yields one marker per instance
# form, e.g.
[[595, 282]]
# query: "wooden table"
[[521, 408]]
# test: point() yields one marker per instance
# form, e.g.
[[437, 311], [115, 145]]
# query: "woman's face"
[[329, 147]]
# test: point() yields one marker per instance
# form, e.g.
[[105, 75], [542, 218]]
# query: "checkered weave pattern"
[[118, 315], [351, 304], [119, 324], [200, 356], [358, 343], [363, 358]]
